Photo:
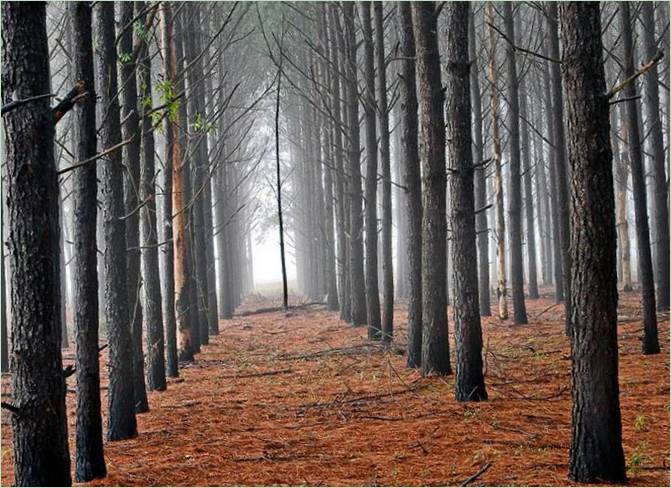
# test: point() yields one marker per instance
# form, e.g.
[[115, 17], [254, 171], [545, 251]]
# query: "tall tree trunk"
[[650, 340], [370, 196], [178, 211], [131, 156], [90, 459], [409, 157], [121, 422], [528, 195], [621, 165], [357, 288], [168, 248], [596, 443], [470, 382], [39, 428], [560, 174], [151, 285], [515, 181], [501, 291], [656, 145], [337, 52], [4, 344], [385, 161], [435, 345], [481, 225]]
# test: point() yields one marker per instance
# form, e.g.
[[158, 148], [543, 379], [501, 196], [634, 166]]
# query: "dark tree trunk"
[[197, 159], [337, 51], [151, 284], [435, 345], [596, 445], [90, 460], [4, 345], [515, 182], [168, 248], [370, 195], [385, 161], [121, 422], [560, 174], [131, 157], [650, 339], [532, 283], [39, 428], [558, 270], [409, 156], [661, 194], [470, 382], [481, 225], [357, 288]]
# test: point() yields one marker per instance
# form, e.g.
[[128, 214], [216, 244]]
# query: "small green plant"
[[639, 423], [125, 58], [637, 459], [200, 125], [141, 31]]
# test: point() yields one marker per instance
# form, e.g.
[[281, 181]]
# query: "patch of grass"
[[639, 423], [637, 459]]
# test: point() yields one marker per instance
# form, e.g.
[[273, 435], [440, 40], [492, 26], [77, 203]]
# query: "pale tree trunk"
[[501, 291]]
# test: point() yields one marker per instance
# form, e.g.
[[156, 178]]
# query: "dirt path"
[[306, 399]]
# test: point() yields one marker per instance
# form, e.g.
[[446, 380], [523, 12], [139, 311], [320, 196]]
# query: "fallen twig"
[[474, 477], [254, 375]]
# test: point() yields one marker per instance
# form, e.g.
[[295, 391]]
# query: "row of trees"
[[158, 132], [494, 116]]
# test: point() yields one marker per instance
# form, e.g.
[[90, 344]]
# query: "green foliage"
[[637, 459], [141, 31], [639, 423], [200, 125], [125, 58]]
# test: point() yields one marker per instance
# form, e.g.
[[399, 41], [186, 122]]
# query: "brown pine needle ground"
[[305, 399]]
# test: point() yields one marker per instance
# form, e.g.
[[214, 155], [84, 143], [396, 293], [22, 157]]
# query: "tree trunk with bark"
[[39, 427], [121, 422], [470, 383], [435, 345], [656, 146], [385, 161], [370, 195], [515, 181], [151, 285], [409, 157], [481, 225], [168, 247], [650, 339], [89, 455], [501, 291], [357, 288], [596, 443], [130, 129]]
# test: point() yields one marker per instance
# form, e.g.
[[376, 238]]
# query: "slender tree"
[[409, 158], [357, 288], [481, 225], [121, 422], [596, 442], [515, 181], [435, 345], [501, 290], [131, 157], [470, 382], [656, 145], [168, 246], [39, 426], [151, 286], [370, 194], [90, 460], [650, 339]]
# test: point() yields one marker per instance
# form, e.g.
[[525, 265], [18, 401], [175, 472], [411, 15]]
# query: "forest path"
[[306, 399]]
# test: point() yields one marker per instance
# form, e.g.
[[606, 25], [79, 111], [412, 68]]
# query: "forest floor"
[[305, 399]]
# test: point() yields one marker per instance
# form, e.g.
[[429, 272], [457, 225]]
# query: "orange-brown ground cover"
[[326, 415]]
